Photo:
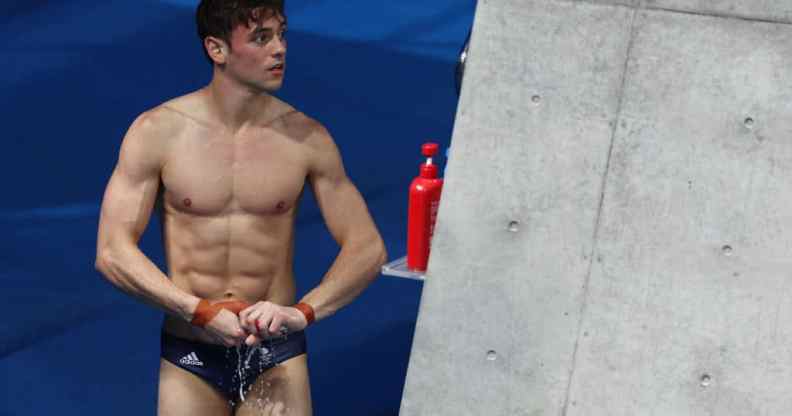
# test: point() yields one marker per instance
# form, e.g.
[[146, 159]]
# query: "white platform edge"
[[398, 268]]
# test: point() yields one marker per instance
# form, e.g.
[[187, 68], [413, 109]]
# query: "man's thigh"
[[182, 393], [283, 390]]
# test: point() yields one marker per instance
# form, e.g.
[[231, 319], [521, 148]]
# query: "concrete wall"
[[612, 238]]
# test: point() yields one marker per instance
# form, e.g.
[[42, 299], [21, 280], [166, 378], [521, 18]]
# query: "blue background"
[[379, 75]]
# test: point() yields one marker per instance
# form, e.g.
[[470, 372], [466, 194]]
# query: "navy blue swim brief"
[[230, 370]]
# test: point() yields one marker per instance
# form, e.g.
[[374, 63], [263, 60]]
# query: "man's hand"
[[226, 329], [266, 320]]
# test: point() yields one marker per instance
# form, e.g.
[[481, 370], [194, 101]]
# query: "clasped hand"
[[254, 323]]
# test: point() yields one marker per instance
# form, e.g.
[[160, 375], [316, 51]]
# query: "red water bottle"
[[422, 211]]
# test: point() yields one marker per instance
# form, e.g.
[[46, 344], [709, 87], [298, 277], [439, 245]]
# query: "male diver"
[[228, 164]]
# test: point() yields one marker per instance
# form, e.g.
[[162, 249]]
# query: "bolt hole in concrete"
[[492, 355], [749, 122], [514, 226], [727, 250], [706, 380], [536, 99]]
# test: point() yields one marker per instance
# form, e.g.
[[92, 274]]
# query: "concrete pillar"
[[614, 236]]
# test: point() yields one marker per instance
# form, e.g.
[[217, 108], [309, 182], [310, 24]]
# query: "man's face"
[[258, 54]]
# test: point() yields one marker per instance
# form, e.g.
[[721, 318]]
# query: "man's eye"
[[263, 38]]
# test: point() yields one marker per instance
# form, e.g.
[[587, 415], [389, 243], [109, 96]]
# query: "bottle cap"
[[430, 149]]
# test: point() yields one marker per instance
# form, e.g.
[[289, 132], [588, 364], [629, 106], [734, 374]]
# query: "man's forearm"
[[131, 271], [356, 266]]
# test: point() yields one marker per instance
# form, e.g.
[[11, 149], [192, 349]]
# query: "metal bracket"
[[460, 69], [398, 268]]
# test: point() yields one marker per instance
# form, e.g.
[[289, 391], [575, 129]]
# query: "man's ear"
[[216, 49]]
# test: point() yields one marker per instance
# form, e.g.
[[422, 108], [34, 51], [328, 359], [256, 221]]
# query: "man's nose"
[[280, 47]]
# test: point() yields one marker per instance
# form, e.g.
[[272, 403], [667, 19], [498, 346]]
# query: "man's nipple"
[[281, 206]]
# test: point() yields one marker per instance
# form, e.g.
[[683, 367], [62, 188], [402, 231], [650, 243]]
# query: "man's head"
[[245, 39]]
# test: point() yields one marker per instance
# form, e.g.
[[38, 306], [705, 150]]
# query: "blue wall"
[[379, 75]]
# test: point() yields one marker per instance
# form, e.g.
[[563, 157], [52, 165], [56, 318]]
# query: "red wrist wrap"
[[205, 311], [306, 310]]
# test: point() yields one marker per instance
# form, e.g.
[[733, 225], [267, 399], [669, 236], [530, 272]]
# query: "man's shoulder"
[[189, 108], [147, 141], [167, 119], [298, 124]]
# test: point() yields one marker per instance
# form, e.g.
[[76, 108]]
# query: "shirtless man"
[[229, 163]]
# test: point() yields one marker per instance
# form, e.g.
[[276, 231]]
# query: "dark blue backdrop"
[[379, 75]]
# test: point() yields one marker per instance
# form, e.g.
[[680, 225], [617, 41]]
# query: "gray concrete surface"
[[770, 10], [612, 234]]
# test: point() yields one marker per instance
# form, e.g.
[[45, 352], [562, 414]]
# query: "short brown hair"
[[218, 18]]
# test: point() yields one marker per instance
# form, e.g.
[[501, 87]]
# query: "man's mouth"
[[277, 67]]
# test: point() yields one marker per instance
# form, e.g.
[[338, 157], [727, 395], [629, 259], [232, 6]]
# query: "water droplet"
[[706, 380], [727, 250], [492, 355], [749, 122], [514, 226]]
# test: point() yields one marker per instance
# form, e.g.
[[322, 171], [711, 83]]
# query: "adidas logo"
[[191, 359]]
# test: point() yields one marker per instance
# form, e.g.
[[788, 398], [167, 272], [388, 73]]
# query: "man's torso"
[[229, 203]]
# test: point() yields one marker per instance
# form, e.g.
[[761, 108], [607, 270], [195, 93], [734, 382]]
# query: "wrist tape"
[[306, 310], [206, 311]]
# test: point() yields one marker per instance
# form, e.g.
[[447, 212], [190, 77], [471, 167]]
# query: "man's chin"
[[272, 87]]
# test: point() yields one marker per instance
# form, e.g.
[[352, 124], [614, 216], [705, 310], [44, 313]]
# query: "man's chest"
[[255, 175]]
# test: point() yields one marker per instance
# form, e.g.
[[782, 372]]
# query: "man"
[[229, 163]]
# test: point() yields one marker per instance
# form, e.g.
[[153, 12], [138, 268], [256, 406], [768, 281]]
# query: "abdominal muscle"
[[227, 257]]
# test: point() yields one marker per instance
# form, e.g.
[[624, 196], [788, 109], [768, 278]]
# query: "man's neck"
[[236, 105]]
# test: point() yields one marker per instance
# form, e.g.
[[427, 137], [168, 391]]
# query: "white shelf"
[[398, 268]]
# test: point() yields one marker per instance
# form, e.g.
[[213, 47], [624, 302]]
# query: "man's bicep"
[[343, 207], [132, 190], [126, 207]]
